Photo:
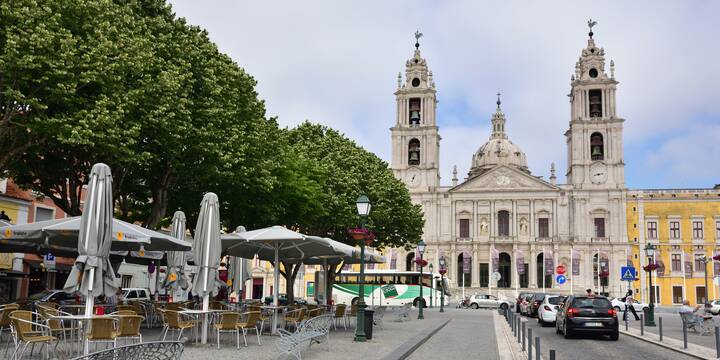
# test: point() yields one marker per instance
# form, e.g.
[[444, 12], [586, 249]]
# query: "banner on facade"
[[661, 268], [716, 265], [688, 265], [548, 261], [467, 262], [520, 262], [604, 262], [495, 255], [393, 259], [575, 262]]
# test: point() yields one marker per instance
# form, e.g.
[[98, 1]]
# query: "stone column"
[[532, 271]]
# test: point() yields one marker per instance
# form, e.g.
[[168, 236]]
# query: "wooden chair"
[[340, 314], [228, 323], [129, 327], [264, 316], [251, 322], [352, 313], [176, 322], [295, 317], [5, 323], [102, 329], [29, 332]]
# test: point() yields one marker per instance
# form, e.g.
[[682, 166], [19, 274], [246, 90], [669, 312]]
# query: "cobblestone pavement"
[[469, 335]]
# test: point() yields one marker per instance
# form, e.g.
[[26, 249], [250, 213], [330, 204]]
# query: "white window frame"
[[695, 293], [647, 229], [672, 219], [672, 294], [43, 206], [672, 270], [695, 219]]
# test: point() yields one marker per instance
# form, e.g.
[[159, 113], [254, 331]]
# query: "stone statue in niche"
[[483, 226], [523, 226]]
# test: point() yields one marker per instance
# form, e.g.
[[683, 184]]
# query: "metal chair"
[[176, 322], [295, 317], [102, 329], [5, 323], [157, 350], [129, 327], [227, 323], [340, 314], [251, 322], [29, 332]]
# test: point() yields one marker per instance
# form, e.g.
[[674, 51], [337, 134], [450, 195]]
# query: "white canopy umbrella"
[[206, 251]]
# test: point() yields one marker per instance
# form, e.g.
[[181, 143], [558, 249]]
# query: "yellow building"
[[685, 226]]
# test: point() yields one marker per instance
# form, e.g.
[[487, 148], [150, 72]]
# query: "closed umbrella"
[[176, 278], [92, 274], [238, 270], [206, 252]]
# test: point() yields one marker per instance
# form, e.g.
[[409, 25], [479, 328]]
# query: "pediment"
[[504, 178]]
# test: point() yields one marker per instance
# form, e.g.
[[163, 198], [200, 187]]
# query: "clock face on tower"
[[413, 179], [598, 173]]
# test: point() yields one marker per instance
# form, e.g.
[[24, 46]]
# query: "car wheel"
[[503, 306], [474, 306], [354, 301], [540, 321], [615, 336], [566, 332], [419, 302]]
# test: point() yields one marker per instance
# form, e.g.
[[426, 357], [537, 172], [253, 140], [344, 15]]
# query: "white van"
[[133, 294]]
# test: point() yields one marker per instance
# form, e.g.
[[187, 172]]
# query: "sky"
[[336, 63]]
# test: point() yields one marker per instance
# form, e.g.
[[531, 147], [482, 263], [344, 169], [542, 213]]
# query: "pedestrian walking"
[[629, 301]]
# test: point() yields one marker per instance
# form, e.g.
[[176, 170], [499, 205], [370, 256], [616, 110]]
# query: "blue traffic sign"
[[627, 273], [560, 279], [49, 257]]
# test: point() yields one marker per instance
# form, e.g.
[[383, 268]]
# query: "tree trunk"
[[333, 270], [160, 198], [290, 274]]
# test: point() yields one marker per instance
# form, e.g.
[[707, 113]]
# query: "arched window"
[[597, 150], [505, 269], [409, 261], [504, 223], [460, 270], [540, 271], [414, 152]]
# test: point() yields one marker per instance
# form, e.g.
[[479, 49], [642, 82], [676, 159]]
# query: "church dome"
[[499, 150]]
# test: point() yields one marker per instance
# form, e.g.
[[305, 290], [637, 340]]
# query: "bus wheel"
[[355, 301], [419, 301]]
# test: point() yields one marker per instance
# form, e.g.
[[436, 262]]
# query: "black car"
[[534, 304], [587, 314]]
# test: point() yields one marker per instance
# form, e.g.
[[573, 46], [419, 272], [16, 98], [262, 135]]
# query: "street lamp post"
[[705, 260], [421, 302], [363, 208], [650, 318], [443, 270], [432, 284]]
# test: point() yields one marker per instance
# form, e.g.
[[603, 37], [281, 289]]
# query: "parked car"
[[619, 305], [283, 301], [519, 300], [489, 301], [56, 296], [525, 303], [587, 314], [534, 304], [715, 307], [135, 294], [548, 309]]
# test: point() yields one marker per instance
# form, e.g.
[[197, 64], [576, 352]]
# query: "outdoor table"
[[275, 310], [196, 314], [81, 320]]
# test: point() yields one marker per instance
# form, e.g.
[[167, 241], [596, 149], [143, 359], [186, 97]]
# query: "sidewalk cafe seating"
[[176, 322], [158, 350], [251, 322], [126, 307], [124, 312], [129, 327], [228, 323], [295, 317], [696, 323], [353, 312], [102, 329], [5, 323], [311, 331], [27, 332], [340, 314], [264, 316]]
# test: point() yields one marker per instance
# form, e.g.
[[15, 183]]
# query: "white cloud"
[[336, 63]]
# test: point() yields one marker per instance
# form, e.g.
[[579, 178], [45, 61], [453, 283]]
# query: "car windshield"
[[554, 300], [590, 303], [539, 297]]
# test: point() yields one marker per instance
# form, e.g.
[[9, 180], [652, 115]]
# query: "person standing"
[[629, 301], [4, 216]]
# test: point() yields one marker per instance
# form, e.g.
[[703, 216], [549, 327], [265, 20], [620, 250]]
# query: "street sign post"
[[628, 273], [560, 269], [560, 279]]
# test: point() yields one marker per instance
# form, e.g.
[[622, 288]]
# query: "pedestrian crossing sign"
[[627, 273]]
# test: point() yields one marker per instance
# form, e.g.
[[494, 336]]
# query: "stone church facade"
[[502, 218]]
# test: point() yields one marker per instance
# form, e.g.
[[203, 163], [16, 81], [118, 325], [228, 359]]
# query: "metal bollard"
[[717, 341], [537, 348], [626, 325], [642, 325], [660, 324], [523, 335], [520, 333], [552, 354], [684, 337], [530, 343]]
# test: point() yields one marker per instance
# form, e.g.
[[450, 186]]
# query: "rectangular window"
[[600, 227], [503, 223], [674, 229], [595, 103], [42, 214], [464, 228], [543, 228], [700, 296], [484, 274], [652, 230], [697, 229], [717, 231], [699, 265], [677, 294], [676, 262]]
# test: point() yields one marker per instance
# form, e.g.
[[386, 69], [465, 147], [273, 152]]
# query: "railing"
[[547, 239], [600, 239]]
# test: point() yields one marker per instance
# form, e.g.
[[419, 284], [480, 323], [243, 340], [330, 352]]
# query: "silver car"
[[489, 302]]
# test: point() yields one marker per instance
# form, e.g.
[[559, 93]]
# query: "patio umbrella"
[[206, 251], [273, 243], [92, 274], [238, 269], [176, 259]]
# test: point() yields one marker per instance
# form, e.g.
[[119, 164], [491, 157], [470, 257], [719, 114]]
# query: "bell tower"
[[594, 140], [415, 138]]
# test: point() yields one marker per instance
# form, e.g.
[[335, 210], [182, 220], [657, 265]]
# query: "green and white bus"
[[389, 287]]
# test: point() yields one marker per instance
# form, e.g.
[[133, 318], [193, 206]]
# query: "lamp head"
[[649, 250], [442, 261], [421, 247], [363, 205]]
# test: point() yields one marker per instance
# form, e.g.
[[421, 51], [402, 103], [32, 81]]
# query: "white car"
[[135, 294], [619, 305], [489, 301], [715, 307], [548, 309]]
